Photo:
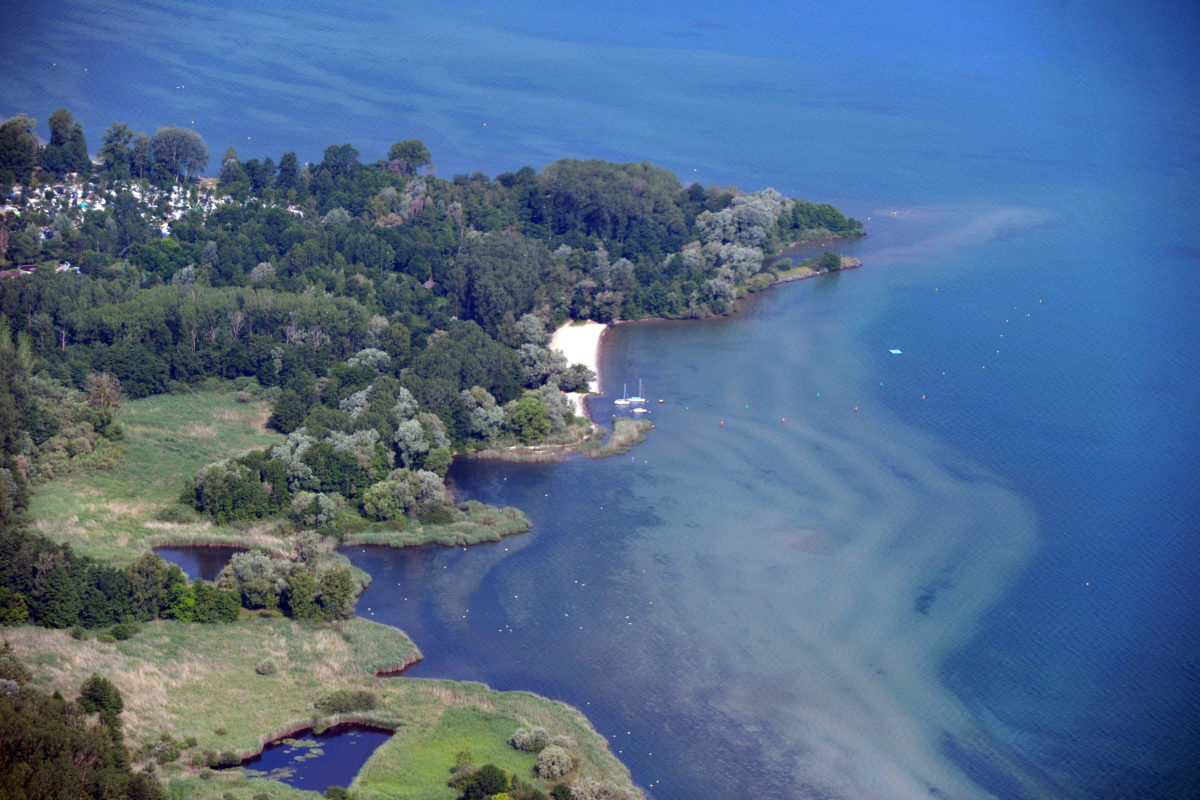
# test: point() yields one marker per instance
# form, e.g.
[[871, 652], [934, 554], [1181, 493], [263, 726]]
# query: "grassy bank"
[[482, 524], [201, 681], [625, 434]]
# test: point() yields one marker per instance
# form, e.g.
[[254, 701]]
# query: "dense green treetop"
[[286, 273]]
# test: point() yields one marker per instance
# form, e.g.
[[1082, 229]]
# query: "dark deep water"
[[317, 761], [991, 591], [198, 562]]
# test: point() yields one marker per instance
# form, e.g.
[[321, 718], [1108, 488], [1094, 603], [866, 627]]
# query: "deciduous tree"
[[179, 152], [408, 156]]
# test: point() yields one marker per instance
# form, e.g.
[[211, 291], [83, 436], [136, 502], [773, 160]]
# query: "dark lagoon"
[[317, 761], [199, 562]]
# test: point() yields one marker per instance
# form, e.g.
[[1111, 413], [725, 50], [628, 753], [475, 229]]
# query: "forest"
[[389, 318]]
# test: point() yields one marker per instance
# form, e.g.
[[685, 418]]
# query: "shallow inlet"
[[314, 762], [199, 562]]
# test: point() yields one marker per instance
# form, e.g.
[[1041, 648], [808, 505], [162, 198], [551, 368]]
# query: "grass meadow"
[[200, 681], [109, 514]]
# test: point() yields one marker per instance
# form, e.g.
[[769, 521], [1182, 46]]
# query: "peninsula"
[[285, 359]]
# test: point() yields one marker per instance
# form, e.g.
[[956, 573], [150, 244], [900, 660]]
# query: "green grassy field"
[[200, 681], [483, 523], [110, 514]]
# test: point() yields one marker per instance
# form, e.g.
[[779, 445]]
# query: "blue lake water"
[[198, 562], [991, 591], [317, 761]]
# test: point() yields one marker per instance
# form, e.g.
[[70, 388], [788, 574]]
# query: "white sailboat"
[[625, 399], [637, 398]]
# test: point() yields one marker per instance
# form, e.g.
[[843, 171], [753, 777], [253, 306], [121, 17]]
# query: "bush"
[[483, 782], [531, 741], [125, 630], [163, 751], [175, 513], [565, 742], [553, 762], [266, 667], [79, 633], [592, 789], [11, 667], [347, 701], [99, 694], [105, 637], [438, 514]]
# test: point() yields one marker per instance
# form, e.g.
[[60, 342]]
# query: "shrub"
[[531, 741], [483, 782], [163, 751], [99, 694], [105, 637], [346, 701], [438, 514], [175, 513], [125, 630], [553, 762], [592, 789], [79, 633], [565, 742], [11, 667], [266, 667]]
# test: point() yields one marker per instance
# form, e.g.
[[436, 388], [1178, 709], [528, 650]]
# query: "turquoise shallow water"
[[988, 592]]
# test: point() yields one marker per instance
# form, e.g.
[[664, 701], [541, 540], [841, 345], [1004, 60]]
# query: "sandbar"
[[580, 343]]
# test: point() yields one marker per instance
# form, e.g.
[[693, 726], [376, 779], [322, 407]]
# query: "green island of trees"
[[285, 359]]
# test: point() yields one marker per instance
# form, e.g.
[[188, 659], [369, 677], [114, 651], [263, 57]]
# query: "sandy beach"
[[580, 343]]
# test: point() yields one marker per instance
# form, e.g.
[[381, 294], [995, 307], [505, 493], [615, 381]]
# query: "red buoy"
[[856, 409]]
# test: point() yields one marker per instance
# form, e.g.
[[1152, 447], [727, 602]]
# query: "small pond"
[[198, 562], [314, 762]]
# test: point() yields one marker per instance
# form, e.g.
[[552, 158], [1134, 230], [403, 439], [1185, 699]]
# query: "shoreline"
[[847, 263], [580, 343]]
